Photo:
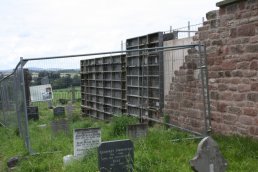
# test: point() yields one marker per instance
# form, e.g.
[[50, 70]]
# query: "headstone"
[[116, 156], [63, 101], [12, 162], [49, 104], [137, 130], [208, 157], [59, 111], [69, 110], [33, 112], [60, 126], [85, 139]]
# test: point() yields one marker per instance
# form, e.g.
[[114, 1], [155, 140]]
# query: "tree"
[[76, 80]]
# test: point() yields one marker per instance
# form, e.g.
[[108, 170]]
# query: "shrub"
[[119, 124], [166, 120]]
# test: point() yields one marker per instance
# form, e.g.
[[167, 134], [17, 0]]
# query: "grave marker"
[[85, 139], [137, 130], [69, 110], [60, 126], [33, 112], [116, 156], [208, 157], [59, 111]]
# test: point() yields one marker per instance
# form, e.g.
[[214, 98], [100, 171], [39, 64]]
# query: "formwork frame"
[[149, 100], [103, 79]]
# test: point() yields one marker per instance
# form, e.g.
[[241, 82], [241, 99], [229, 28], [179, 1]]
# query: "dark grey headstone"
[[12, 162], [60, 126], [49, 104], [85, 139], [116, 156], [208, 157], [59, 111], [33, 112], [137, 130]]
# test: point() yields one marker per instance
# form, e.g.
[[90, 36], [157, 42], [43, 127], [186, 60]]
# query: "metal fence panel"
[[152, 88]]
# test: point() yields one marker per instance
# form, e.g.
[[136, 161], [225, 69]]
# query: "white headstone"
[[85, 139]]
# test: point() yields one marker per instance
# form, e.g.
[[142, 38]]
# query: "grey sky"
[[36, 28]]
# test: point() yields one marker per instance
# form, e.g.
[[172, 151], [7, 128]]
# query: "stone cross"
[[208, 157]]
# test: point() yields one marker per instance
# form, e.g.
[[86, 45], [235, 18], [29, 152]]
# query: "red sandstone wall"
[[231, 36]]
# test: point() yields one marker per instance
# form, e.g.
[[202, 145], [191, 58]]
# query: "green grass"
[[155, 153]]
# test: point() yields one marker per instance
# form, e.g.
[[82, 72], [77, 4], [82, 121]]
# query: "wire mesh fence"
[[184, 32], [153, 83], [8, 109]]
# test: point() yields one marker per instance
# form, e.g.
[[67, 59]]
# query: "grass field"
[[155, 153]]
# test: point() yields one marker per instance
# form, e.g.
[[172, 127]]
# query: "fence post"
[[189, 29], [17, 103], [8, 106], [27, 137], [205, 87], [122, 46], [73, 94], [3, 102]]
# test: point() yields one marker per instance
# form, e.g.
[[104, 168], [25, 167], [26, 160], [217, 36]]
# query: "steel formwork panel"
[[144, 75], [103, 80]]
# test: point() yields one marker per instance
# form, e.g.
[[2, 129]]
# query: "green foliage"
[[56, 80], [119, 124], [155, 153], [166, 120]]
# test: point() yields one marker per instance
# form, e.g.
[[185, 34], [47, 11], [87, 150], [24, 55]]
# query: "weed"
[[154, 153], [119, 124]]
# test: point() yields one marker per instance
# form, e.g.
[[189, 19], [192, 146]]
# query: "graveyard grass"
[[157, 152]]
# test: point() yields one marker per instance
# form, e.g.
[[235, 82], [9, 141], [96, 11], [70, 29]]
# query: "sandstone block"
[[252, 97], [243, 65], [246, 120], [250, 111], [211, 15], [246, 30], [222, 107], [254, 86], [234, 110], [254, 64], [244, 88]]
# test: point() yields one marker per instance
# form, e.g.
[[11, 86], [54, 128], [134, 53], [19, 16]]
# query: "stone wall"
[[231, 37]]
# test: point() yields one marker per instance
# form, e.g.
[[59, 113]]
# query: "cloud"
[[36, 28]]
